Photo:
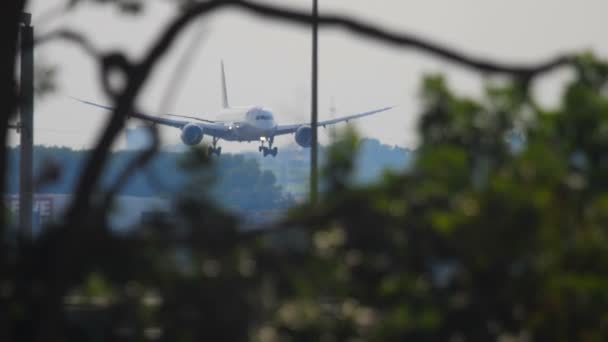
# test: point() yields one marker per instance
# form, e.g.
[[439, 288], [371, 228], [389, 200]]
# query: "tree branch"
[[376, 33], [70, 36]]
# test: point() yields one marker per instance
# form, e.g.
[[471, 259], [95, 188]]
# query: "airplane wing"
[[211, 127], [192, 117], [286, 129]]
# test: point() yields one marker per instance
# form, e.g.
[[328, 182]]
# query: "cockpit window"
[[260, 114]]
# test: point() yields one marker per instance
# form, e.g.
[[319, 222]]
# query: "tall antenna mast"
[[313, 105]]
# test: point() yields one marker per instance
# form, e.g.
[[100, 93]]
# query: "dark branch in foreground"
[[72, 37], [374, 32]]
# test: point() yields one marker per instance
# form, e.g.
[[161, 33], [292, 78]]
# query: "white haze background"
[[268, 63]]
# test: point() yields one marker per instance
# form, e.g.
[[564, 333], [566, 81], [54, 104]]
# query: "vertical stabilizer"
[[224, 90]]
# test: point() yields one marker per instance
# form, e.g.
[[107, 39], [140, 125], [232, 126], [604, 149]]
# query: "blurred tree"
[[234, 181], [477, 241]]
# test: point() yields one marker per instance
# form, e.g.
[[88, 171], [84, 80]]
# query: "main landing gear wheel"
[[214, 149], [268, 150]]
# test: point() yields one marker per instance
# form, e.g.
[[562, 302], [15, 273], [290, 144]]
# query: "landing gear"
[[214, 149], [268, 150]]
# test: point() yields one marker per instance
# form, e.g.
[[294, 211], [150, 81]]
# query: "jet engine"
[[191, 134], [304, 136]]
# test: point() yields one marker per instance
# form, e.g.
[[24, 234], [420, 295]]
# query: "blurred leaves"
[[45, 78], [477, 241]]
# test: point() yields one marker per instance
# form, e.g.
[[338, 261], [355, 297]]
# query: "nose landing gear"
[[273, 151]]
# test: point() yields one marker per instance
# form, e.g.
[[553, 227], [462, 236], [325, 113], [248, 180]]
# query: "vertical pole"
[[26, 112], [313, 105]]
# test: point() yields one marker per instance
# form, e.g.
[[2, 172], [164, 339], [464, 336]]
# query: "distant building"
[[127, 212], [44, 208]]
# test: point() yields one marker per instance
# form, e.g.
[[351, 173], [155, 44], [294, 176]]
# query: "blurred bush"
[[497, 232]]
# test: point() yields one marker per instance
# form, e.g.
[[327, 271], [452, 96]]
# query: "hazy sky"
[[269, 63]]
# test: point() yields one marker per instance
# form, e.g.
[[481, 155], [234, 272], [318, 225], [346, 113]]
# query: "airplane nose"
[[267, 124]]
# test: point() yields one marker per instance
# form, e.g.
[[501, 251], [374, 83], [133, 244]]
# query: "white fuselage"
[[248, 123]]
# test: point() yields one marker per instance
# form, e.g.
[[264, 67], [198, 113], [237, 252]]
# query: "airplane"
[[249, 123]]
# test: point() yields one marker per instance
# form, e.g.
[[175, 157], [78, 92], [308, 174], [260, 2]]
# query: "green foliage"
[[477, 241]]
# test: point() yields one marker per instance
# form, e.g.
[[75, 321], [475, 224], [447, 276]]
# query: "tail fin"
[[224, 90]]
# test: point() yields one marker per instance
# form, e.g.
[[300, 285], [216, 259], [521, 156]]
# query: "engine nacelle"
[[191, 134], [304, 136]]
